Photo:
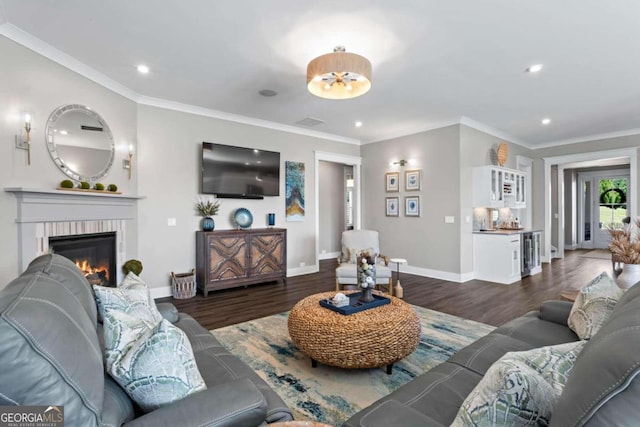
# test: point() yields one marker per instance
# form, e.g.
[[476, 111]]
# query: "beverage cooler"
[[530, 253]]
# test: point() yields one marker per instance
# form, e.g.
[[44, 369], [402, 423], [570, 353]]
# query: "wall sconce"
[[128, 163], [403, 163], [25, 143]]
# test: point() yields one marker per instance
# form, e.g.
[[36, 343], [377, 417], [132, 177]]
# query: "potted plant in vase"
[[625, 244], [207, 208]]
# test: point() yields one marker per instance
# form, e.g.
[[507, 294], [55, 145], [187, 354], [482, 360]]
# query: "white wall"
[[165, 171], [169, 151], [426, 242], [446, 157], [30, 82]]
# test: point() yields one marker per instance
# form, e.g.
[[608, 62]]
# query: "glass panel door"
[[611, 208]]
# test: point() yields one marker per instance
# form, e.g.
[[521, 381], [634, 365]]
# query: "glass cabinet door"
[[494, 184]]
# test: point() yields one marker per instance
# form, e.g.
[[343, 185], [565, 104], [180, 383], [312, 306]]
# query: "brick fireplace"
[[44, 216]]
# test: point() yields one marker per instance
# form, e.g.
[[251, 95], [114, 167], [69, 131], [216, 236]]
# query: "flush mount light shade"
[[339, 75]]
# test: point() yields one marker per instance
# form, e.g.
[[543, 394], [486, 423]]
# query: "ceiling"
[[434, 62]]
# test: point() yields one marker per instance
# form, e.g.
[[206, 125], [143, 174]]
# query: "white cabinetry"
[[496, 257], [496, 187]]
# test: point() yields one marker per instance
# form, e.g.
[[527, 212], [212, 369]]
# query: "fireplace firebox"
[[94, 254]]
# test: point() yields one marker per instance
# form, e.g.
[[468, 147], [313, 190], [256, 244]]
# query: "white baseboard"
[[570, 247], [329, 255], [166, 291], [302, 270], [436, 274], [465, 277]]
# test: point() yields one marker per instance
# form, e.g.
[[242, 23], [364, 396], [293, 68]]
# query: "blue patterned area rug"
[[332, 395]]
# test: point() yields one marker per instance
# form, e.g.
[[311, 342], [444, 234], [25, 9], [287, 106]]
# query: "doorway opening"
[[603, 204], [349, 185], [562, 216]]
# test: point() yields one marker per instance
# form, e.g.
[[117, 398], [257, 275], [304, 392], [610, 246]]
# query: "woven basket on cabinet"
[[183, 285]]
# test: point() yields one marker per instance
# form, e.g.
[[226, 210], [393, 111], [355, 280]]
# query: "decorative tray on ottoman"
[[354, 305]]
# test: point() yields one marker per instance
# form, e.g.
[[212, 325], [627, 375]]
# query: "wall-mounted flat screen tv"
[[239, 172]]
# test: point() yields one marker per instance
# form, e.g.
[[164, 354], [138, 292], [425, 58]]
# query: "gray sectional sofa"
[[602, 390], [51, 353]]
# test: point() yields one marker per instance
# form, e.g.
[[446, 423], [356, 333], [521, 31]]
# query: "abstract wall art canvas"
[[294, 177]]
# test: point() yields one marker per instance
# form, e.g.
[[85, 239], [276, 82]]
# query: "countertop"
[[507, 231]]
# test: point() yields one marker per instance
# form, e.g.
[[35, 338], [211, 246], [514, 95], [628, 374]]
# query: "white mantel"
[[42, 213]]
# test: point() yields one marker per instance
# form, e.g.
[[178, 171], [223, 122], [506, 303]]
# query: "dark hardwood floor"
[[485, 302]]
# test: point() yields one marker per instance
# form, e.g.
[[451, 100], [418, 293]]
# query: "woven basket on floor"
[[183, 285]]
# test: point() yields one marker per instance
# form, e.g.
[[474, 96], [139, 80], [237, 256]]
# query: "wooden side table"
[[398, 288]]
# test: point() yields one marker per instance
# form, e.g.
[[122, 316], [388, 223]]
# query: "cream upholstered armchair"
[[353, 242]]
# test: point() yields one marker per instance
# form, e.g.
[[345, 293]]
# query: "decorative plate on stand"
[[243, 218]]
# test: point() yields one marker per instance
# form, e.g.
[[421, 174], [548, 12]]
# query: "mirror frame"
[[51, 143]]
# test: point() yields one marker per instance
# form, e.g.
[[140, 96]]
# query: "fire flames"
[[96, 275]]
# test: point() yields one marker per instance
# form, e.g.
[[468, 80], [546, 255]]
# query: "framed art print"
[[294, 187], [392, 181], [392, 206], [412, 206], [412, 180]]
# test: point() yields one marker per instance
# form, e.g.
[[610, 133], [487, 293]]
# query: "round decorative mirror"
[[80, 142]]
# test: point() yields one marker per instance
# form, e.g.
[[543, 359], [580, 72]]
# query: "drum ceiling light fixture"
[[339, 75]]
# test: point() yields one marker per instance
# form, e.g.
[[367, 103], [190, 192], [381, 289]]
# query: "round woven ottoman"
[[371, 338]]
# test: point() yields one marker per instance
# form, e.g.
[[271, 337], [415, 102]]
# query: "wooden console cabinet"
[[232, 258]]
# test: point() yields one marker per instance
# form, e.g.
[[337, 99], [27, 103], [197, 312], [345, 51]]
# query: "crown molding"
[[462, 120], [44, 49], [216, 114], [588, 138], [418, 129], [492, 131]]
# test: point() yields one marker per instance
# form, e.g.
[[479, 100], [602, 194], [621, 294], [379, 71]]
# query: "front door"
[[610, 199]]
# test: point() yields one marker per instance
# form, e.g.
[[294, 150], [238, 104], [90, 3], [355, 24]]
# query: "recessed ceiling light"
[[534, 68], [546, 121], [143, 69], [358, 124]]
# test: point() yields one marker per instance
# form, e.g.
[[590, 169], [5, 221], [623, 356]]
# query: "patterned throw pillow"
[[593, 306], [131, 296], [133, 351], [520, 388], [354, 253]]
